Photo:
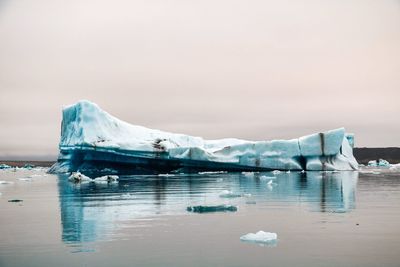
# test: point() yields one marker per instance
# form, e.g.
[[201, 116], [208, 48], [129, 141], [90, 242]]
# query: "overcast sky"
[[221, 68]]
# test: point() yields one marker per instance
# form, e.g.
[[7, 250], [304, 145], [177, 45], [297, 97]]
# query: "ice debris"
[[6, 182], [229, 194], [212, 172], [248, 174], [90, 135], [260, 237], [218, 208], [78, 177], [395, 167], [106, 178], [263, 177], [25, 179], [4, 166], [378, 163]]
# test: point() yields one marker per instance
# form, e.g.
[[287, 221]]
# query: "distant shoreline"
[[365, 154], [362, 154]]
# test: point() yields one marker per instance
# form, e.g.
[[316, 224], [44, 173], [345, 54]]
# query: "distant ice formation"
[[379, 163], [92, 139]]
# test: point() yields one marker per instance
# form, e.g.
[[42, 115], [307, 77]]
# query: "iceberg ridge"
[[92, 139]]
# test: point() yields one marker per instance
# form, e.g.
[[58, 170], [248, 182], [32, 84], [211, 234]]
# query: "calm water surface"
[[322, 219]]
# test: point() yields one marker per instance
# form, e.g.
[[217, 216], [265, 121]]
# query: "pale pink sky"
[[221, 68]]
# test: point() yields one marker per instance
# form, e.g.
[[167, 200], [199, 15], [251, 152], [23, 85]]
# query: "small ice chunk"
[[25, 179], [248, 174], [395, 167], [106, 179], [247, 195], [271, 183], [260, 237], [218, 208], [29, 166], [378, 163], [5, 182], [78, 177], [229, 194], [263, 177], [214, 172], [276, 172], [166, 175], [4, 166]]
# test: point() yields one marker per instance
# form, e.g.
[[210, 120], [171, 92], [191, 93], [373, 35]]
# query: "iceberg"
[[92, 139]]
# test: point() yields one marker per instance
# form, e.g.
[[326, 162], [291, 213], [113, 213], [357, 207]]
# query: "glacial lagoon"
[[348, 218]]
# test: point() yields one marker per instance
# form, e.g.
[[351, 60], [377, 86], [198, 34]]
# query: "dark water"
[[321, 219]]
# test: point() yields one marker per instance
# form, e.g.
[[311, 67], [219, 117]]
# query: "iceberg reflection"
[[91, 212]]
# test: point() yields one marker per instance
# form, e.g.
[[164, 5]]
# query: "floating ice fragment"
[[263, 177], [25, 179], [29, 166], [78, 177], [205, 209], [271, 183], [247, 195], [260, 237], [6, 182], [229, 194], [395, 167], [276, 172], [378, 163], [166, 175], [4, 166], [214, 172], [106, 178], [248, 174]]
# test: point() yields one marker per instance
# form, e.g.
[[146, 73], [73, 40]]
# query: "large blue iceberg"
[[92, 139]]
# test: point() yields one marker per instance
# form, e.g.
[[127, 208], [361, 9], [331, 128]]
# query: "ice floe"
[[260, 237]]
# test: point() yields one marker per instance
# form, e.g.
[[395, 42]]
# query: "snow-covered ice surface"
[[92, 139]]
